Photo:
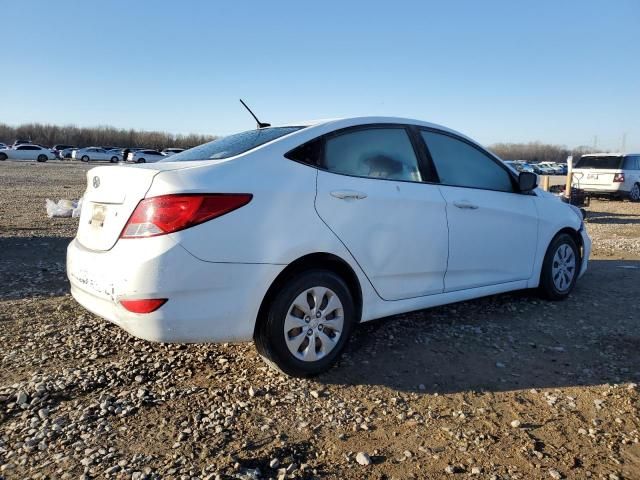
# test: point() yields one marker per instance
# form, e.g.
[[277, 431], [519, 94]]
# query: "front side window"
[[232, 145], [461, 165], [376, 152]]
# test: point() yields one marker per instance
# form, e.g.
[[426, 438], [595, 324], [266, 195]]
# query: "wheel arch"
[[576, 238], [319, 260]]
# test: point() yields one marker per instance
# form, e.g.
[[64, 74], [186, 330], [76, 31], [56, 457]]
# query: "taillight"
[[618, 177], [170, 213], [145, 305]]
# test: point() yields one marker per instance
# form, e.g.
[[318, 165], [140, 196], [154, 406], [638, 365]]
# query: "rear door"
[[493, 230], [371, 194]]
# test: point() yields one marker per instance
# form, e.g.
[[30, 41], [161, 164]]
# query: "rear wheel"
[[141, 160], [42, 158], [634, 194], [560, 268], [3, 157], [307, 324], [85, 158], [114, 159]]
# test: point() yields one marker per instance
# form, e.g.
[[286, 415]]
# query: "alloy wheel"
[[314, 323], [563, 268]]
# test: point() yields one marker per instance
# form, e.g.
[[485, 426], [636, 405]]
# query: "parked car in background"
[[20, 142], [304, 231], [553, 168], [59, 148], [27, 152], [541, 169], [145, 156], [610, 174], [167, 152], [519, 166], [3, 145], [66, 153], [90, 154]]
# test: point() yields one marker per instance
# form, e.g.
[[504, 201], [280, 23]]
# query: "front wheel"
[[141, 160], [42, 158], [3, 157], [114, 159], [634, 194], [560, 268], [307, 324], [85, 158]]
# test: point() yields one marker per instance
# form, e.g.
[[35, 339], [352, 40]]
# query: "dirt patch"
[[508, 386]]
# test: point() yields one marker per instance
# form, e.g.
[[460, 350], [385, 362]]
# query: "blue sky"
[[554, 71]]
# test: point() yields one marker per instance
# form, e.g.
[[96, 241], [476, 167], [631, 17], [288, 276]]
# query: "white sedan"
[[290, 236], [90, 154], [145, 156], [27, 152], [167, 152]]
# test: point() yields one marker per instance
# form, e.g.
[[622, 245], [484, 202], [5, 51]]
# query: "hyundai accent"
[[292, 235]]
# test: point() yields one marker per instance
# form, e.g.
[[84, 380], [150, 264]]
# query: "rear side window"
[[309, 153], [461, 165], [232, 145], [632, 163], [602, 162], [377, 153]]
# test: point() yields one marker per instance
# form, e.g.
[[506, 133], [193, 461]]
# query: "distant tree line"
[[537, 152], [49, 135]]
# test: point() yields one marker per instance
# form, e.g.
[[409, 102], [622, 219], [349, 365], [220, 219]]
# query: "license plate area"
[[592, 176], [98, 215]]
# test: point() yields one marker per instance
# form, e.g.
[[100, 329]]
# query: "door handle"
[[464, 204], [348, 195]]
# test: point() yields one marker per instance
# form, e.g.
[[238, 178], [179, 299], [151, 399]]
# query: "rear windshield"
[[232, 145], [604, 162]]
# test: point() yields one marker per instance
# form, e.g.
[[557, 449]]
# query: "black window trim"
[[424, 166], [496, 160]]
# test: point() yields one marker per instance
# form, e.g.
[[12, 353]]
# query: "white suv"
[[612, 174]]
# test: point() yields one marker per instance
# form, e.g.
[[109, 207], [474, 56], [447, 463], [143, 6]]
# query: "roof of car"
[[615, 154]]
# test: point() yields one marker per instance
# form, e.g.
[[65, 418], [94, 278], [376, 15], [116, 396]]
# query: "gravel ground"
[[504, 387]]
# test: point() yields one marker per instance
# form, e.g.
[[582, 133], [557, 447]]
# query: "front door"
[[372, 197], [493, 229]]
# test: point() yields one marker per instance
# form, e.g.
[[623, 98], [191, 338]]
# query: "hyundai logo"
[[96, 182]]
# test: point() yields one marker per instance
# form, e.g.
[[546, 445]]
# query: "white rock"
[[363, 458]]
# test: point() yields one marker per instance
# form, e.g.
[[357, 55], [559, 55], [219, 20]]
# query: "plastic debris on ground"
[[64, 208]]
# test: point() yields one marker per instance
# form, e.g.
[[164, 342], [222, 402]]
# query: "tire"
[[560, 268], [42, 158], [114, 159], [634, 194], [85, 158], [285, 326], [3, 157], [141, 160]]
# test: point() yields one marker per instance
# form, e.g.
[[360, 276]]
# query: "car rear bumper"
[[603, 189], [207, 302]]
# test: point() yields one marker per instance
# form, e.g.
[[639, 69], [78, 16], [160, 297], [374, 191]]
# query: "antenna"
[[260, 124]]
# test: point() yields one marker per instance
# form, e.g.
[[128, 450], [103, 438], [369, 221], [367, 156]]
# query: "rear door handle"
[[465, 205], [348, 195]]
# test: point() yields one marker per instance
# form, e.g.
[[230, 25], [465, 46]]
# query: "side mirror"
[[527, 181]]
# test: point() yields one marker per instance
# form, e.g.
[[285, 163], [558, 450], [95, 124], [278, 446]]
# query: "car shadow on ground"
[[612, 218], [32, 267], [506, 342]]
